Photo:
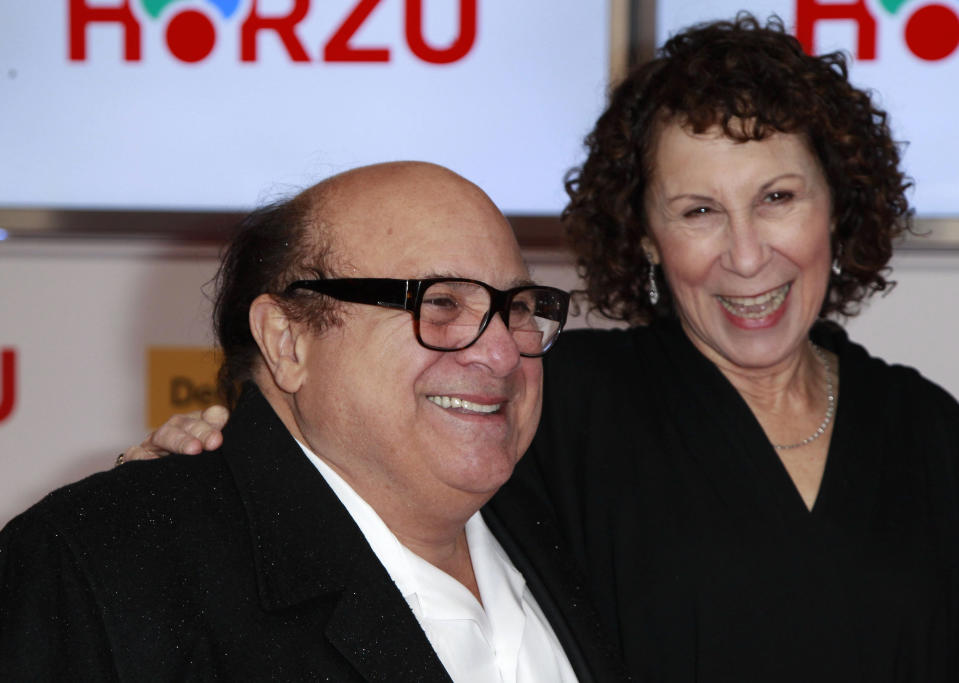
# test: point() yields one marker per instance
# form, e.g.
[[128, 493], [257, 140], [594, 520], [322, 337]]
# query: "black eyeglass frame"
[[407, 295]]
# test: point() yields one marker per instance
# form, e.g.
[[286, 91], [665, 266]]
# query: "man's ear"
[[278, 336]]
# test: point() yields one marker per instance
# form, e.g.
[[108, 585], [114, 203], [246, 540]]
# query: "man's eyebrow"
[[516, 282]]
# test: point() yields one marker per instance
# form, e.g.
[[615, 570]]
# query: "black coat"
[[238, 565]]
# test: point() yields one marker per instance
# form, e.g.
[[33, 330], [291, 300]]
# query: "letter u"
[[8, 382]]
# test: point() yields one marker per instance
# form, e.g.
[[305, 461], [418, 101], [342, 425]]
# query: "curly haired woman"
[[754, 497]]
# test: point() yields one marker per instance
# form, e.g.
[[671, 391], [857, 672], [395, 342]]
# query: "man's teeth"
[[755, 306], [463, 404]]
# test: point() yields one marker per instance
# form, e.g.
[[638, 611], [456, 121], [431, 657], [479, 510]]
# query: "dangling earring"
[[836, 267], [653, 289]]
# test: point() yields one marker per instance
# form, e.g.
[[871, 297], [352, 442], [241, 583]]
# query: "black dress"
[[703, 559]]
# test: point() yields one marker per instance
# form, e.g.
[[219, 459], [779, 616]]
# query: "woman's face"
[[742, 232]]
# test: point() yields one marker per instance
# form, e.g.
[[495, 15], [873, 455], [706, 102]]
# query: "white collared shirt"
[[510, 641]]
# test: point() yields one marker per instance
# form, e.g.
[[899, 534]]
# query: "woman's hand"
[[188, 433]]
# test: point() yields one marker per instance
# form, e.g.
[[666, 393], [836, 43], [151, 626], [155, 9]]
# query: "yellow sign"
[[179, 380]]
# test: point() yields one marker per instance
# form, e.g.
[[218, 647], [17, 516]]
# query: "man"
[[335, 534]]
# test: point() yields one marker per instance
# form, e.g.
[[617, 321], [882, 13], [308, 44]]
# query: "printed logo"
[[931, 31], [8, 382], [191, 34], [179, 379]]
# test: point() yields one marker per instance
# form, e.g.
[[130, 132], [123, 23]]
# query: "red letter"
[[462, 45], [808, 12], [338, 47], [283, 27], [8, 382], [82, 14]]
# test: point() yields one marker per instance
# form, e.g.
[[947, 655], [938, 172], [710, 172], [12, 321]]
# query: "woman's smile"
[[763, 309]]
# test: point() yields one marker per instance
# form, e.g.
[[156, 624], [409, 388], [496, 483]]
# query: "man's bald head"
[[394, 214], [380, 200]]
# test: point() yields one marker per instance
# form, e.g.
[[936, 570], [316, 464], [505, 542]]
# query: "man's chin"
[[484, 478]]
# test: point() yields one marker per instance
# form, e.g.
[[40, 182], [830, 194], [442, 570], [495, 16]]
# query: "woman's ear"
[[650, 248], [277, 336]]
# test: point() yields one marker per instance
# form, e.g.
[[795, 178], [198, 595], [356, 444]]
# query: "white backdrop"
[[82, 316], [158, 133]]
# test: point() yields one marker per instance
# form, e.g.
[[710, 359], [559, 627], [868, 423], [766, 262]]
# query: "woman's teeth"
[[755, 306], [463, 404]]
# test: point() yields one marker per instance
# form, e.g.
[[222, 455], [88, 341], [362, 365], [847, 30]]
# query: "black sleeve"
[[51, 628]]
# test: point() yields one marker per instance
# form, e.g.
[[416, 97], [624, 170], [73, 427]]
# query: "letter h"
[[82, 14], [809, 12]]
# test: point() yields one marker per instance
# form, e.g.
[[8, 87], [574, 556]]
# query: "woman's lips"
[[761, 310]]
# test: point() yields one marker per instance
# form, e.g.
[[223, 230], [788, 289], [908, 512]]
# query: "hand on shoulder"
[[187, 433]]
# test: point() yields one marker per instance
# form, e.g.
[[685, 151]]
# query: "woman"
[[753, 496]]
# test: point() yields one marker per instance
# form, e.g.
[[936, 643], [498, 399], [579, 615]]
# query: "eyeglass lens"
[[452, 315]]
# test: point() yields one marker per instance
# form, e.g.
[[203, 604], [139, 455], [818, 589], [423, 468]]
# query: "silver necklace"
[[830, 407]]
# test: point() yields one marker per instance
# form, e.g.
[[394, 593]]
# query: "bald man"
[[382, 345]]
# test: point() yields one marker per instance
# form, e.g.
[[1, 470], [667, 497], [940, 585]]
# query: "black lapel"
[[306, 546], [530, 537], [373, 627]]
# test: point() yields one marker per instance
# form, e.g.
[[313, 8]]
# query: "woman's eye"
[[698, 211], [778, 197]]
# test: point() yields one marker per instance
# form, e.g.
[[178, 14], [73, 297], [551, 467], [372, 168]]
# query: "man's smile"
[[462, 404]]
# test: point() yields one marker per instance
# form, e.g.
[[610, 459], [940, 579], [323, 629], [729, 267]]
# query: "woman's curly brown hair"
[[726, 73]]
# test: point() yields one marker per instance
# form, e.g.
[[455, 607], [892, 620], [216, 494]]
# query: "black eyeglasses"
[[451, 313]]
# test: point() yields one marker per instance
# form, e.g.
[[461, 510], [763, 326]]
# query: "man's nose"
[[496, 348]]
